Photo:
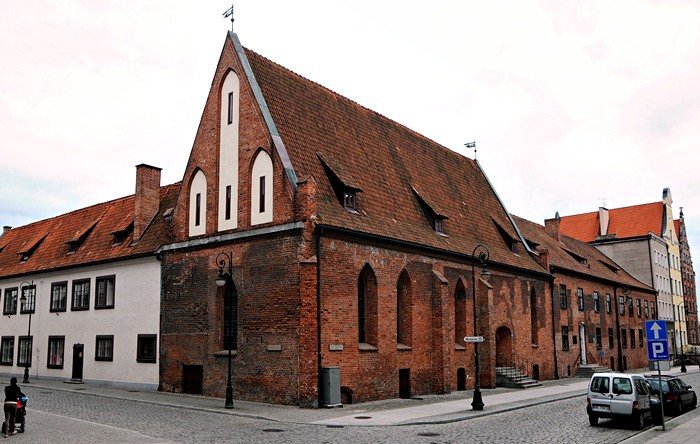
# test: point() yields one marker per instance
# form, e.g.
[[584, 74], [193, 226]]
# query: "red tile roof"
[[567, 252], [386, 160], [633, 221], [108, 217], [677, 227]]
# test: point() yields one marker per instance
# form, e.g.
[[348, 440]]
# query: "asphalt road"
[[73, 416]]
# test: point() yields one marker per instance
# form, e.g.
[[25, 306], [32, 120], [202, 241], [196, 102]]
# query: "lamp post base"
[[26, 376], [477, 402], [229, 398]]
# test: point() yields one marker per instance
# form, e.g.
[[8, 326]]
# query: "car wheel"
[[679, 407], [640, 421], [593, 420], [695, 402]]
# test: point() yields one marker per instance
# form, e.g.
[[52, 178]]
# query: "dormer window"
[[122, 233], [349, 200], [79, 237], [510, 241], [440, 226], [30, 247], [343, 185], [436, 219]]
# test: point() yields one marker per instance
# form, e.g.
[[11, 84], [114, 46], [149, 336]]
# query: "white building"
[[81, 291]]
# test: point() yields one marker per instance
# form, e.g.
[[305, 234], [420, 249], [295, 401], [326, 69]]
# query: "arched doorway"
[[504, 347]]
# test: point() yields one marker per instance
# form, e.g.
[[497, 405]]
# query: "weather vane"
[[471, 145], [229, 13]]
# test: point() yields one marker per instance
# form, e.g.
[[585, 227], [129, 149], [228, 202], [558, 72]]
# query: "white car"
[[619, 395]]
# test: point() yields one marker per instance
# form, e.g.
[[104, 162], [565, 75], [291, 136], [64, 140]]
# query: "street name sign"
[[473, 339]]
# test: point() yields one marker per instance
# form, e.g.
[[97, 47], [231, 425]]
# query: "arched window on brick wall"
[[460, 313], [198, 204], [367, 306], [404, 309], [533, 315], [261, 192]]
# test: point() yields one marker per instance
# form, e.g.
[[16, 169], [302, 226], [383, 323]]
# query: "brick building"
[[599, 309], [688, 279], [352, 241]]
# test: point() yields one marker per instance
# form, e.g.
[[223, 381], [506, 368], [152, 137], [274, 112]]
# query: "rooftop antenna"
[[229, 13], [471, 145]]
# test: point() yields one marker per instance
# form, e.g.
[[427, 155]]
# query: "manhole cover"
[[273, 430], [428, 434], [363, 417]]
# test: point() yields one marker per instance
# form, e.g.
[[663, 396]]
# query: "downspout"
[[619, 341], [554, 334], [318, 316]]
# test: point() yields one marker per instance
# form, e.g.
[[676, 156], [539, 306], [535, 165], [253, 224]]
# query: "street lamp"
[[224, 263], [483, 257], [24, 300]]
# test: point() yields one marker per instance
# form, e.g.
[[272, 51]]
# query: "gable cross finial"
[[229, 13], [471, 145]]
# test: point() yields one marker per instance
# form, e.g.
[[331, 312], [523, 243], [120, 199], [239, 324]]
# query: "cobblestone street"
[[69, 414]]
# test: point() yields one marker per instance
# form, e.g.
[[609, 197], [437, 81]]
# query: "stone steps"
[[512, 377], [586, 370]]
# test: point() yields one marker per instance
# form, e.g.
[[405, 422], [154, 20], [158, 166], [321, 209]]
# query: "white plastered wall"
[[262, 167], [228, 152], [136, 311], [198, 186]]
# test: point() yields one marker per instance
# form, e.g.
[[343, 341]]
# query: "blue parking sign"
[[658, 350]]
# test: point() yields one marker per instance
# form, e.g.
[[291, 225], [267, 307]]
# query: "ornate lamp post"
[[483, 257], [225, 276], [24, 300]]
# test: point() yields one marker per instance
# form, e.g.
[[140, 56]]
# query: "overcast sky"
[[572, 104]]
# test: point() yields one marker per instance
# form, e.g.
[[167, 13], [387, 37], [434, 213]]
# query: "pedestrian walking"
[[12, 394]]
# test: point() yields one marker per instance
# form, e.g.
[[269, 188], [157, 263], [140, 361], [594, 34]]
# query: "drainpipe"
[[619, 340], [318, 317], [554, 334]]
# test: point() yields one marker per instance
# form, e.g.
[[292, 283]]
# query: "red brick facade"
[[375, 289]]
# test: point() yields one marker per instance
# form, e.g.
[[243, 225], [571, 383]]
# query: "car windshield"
[[655, 384]]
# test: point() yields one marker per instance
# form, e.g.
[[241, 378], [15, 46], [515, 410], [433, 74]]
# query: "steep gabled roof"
[[626, 222], [388, 161], [577, 256], [95, 224]]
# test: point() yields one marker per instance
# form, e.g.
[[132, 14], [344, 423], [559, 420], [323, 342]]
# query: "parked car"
[[619, 395], [678, 396]]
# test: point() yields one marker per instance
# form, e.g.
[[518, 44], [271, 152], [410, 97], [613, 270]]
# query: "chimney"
[[7, 228], [551, 226], [604, 219], [147, 198]]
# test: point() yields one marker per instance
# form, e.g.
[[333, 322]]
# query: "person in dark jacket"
[[12, 394]]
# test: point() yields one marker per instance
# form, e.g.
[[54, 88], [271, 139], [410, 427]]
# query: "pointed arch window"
[[261, 193], [533, 315], [367, 306], [460, 313], [230, 316], [404, 310], [198, 204]]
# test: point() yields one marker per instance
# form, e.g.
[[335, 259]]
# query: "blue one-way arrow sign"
[[656, 330]]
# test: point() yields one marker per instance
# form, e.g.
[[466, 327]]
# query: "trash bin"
[[330, 378]]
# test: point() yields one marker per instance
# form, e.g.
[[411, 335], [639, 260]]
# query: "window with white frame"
[[104, 293], [10, 303], [24, 349], [56, 346], [7, 349], [59, 295]]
